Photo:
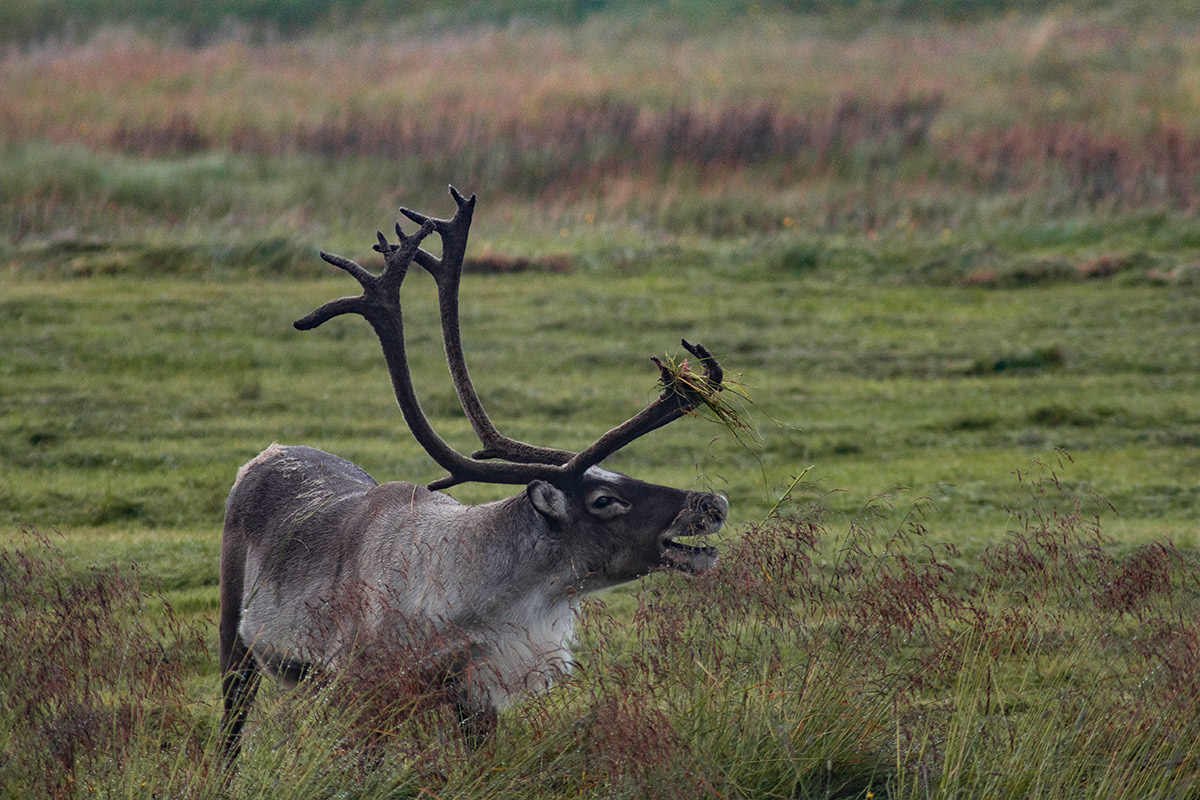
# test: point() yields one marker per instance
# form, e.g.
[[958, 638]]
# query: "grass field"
[[955, 262]]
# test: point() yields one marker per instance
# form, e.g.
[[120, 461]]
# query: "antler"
[[447, 274], [502, 460]]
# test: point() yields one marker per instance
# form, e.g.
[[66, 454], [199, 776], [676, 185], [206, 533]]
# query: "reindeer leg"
[[477, 715], [238, 688], [478, 724]]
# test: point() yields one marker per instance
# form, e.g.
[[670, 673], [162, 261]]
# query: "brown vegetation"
[[85, 675]]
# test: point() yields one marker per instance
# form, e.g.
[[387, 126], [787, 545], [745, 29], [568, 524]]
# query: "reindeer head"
[[615, 528]]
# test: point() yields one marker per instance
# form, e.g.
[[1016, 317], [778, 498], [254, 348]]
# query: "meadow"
[[954, 262]]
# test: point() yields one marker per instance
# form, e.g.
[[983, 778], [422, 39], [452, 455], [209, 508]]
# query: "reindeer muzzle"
[[703, 515]]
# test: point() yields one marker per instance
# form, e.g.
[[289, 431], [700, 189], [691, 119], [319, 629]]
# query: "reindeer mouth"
[[699, 520], [680, 557]]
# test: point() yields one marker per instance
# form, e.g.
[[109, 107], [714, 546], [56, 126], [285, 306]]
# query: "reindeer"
[[496, 585]]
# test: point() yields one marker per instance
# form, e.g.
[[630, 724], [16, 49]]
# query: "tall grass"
[[593, 143], [91, 679], [870, 662]]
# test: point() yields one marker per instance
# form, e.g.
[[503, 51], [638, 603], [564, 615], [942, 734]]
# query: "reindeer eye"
[[607, 505]]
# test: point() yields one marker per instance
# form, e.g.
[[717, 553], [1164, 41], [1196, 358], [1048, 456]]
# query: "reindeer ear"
[[549, 501]]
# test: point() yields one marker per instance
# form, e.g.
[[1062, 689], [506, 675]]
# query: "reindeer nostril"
[[715, 507], [707, 511]]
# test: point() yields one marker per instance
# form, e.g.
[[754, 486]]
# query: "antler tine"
[[677, 399], [353, 267], [453, 233], [334, 308], [712, 368], [382, 288]]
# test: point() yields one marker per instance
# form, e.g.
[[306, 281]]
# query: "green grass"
[[130, 402]]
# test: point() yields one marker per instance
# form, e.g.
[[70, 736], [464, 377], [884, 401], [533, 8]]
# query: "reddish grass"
[[86, 676], [580, 142], [896, 128], [588, 142], [1160, 168], [497, 264]]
